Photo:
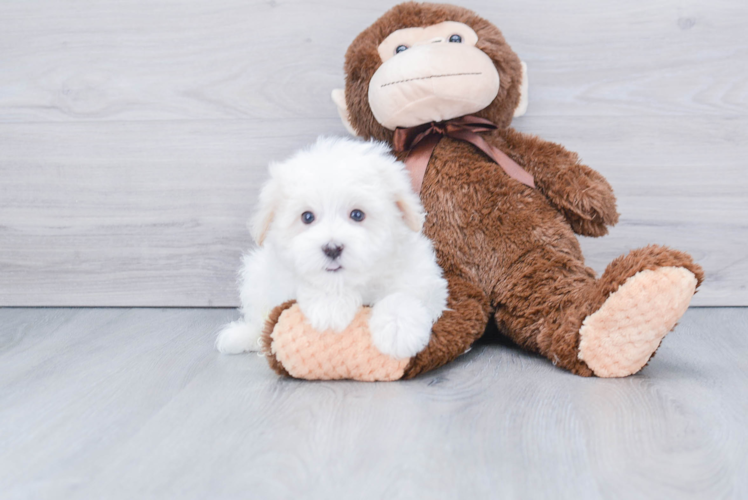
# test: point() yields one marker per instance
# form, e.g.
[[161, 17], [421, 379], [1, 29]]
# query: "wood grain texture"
[[134, 135], [134, 403], [164, 59]]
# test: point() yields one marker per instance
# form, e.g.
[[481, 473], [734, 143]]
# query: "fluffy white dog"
[[338, 227]]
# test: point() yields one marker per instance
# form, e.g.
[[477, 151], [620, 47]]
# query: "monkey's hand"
[[584, 197], [581, 194]]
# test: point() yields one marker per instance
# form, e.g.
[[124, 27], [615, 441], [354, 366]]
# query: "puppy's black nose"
[[332, 251]]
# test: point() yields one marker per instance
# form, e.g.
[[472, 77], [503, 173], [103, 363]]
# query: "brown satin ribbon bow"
[[420, 141]]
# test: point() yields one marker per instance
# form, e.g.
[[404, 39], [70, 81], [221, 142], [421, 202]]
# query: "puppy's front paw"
[[330, 313], [238, 337], [400, 326]]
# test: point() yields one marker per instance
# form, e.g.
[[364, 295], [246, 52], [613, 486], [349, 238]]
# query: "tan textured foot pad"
[[622, 335], [308, 354]]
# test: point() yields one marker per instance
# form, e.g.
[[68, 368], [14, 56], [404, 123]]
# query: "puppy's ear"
[[412, 213], [406, 200], [263, 218]]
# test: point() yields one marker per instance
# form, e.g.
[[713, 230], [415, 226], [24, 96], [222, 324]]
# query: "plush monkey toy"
[[441, 85]]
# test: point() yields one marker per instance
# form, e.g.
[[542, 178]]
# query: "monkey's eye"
[[307, 217], [358, 215], [401, 48], [455, 39]]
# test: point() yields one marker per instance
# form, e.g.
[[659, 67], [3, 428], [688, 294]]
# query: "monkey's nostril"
[[332, 251]]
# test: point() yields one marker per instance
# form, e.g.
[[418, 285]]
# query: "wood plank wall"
[[134, 135]]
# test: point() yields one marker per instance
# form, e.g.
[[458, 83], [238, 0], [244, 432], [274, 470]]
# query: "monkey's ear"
[[521, 108], [338, 97]]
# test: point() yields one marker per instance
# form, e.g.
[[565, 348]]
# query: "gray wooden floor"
[[134, 403]]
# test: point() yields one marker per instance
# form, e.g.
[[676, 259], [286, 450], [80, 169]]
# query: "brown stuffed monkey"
[[502, 214]]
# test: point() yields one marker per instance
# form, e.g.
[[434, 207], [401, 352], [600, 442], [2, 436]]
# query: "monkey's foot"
[[620, 337]]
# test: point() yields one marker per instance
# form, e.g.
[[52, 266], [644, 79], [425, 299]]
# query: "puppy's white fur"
[[385, 262]]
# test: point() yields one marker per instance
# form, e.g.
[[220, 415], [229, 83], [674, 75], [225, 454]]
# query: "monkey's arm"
[[581, 194]]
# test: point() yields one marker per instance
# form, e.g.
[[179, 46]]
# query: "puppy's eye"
[[455, 39], [358, 215], [307, 217], [401, 48]]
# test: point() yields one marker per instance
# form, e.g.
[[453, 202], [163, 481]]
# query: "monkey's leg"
[[465, 320], [609, 327], [647, 292], [461, 324]]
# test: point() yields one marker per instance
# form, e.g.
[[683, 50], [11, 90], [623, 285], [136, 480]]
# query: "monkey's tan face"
[[431, 74]]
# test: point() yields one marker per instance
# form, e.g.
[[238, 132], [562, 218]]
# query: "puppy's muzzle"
[[332, 251]]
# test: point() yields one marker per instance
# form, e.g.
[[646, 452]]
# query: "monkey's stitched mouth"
[[432, 76]]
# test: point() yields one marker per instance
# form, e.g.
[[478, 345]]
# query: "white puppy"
[[338, 227]]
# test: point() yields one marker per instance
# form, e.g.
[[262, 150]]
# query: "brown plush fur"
[[507, 251]]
